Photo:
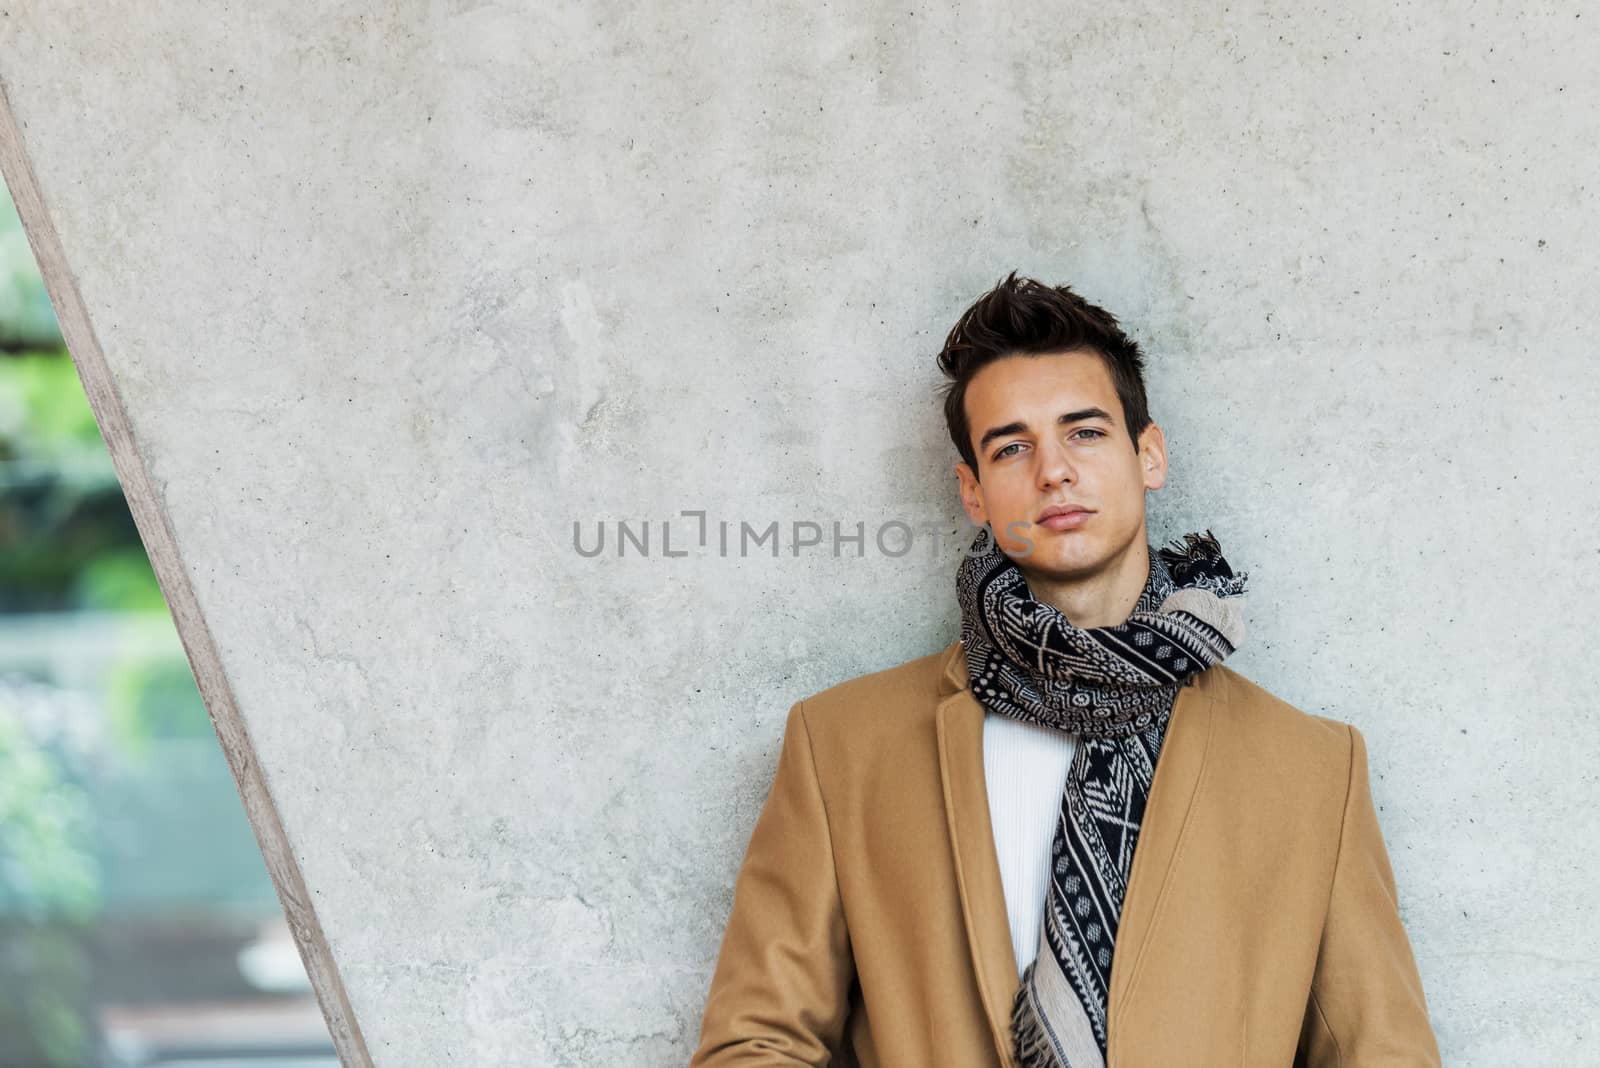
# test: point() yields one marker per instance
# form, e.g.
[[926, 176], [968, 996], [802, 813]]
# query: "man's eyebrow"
[[1066, 417]]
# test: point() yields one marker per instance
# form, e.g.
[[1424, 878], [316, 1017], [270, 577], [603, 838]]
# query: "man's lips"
[[1067, 517]]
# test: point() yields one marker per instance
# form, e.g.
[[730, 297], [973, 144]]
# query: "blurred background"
[[138, 926]]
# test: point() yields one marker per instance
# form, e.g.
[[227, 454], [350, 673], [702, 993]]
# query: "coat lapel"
[[1167, 818], [959, 719], [983, 900]]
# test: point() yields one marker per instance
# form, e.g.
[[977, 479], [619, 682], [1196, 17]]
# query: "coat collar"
[[983, 907]]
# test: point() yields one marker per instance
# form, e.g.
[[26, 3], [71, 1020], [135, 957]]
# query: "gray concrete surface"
[[392, 298]]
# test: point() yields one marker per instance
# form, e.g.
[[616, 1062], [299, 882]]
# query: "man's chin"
[[1041, 546], [1055, 563]]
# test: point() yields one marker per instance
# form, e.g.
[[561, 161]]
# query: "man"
[[1073, 836]]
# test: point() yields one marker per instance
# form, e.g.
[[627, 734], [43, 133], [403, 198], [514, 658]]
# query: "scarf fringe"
[[1196, 559], [1033, 1046]]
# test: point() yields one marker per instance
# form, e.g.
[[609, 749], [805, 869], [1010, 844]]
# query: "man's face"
[[1048, 430]]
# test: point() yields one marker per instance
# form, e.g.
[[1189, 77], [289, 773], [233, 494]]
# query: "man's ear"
[[971, 494], [1153, 457]]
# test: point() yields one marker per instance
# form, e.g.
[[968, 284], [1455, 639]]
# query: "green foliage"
[[27, 321], [44, 831], [67, 539], [46, 1023], [49, 894], [152, 696], [43, 411], [60, 509], [120, 580]]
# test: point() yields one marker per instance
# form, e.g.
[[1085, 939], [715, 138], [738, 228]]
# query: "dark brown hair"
[[1020, 316]]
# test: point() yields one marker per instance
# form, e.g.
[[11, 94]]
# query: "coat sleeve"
[[1366, 1007], [781, 989]]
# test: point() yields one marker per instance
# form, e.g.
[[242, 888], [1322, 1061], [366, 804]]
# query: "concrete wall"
[[375, 304]]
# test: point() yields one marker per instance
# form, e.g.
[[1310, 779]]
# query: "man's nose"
[[1055, 464]]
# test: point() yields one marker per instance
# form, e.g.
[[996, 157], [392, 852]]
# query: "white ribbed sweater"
[[1025, 767]]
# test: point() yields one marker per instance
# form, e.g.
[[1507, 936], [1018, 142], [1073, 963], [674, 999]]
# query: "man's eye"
[[1092, 430], [1002, 453]]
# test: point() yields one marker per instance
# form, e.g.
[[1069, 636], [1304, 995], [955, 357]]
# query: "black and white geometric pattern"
[[1027, 660], [1114, 687], [1102, 810]]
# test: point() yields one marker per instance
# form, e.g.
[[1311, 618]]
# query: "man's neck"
[[1103, 600]]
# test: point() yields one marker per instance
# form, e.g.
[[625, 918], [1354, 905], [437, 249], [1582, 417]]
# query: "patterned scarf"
[[1114, 687]]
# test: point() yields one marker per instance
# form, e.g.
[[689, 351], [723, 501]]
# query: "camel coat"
[[1261, 925]]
